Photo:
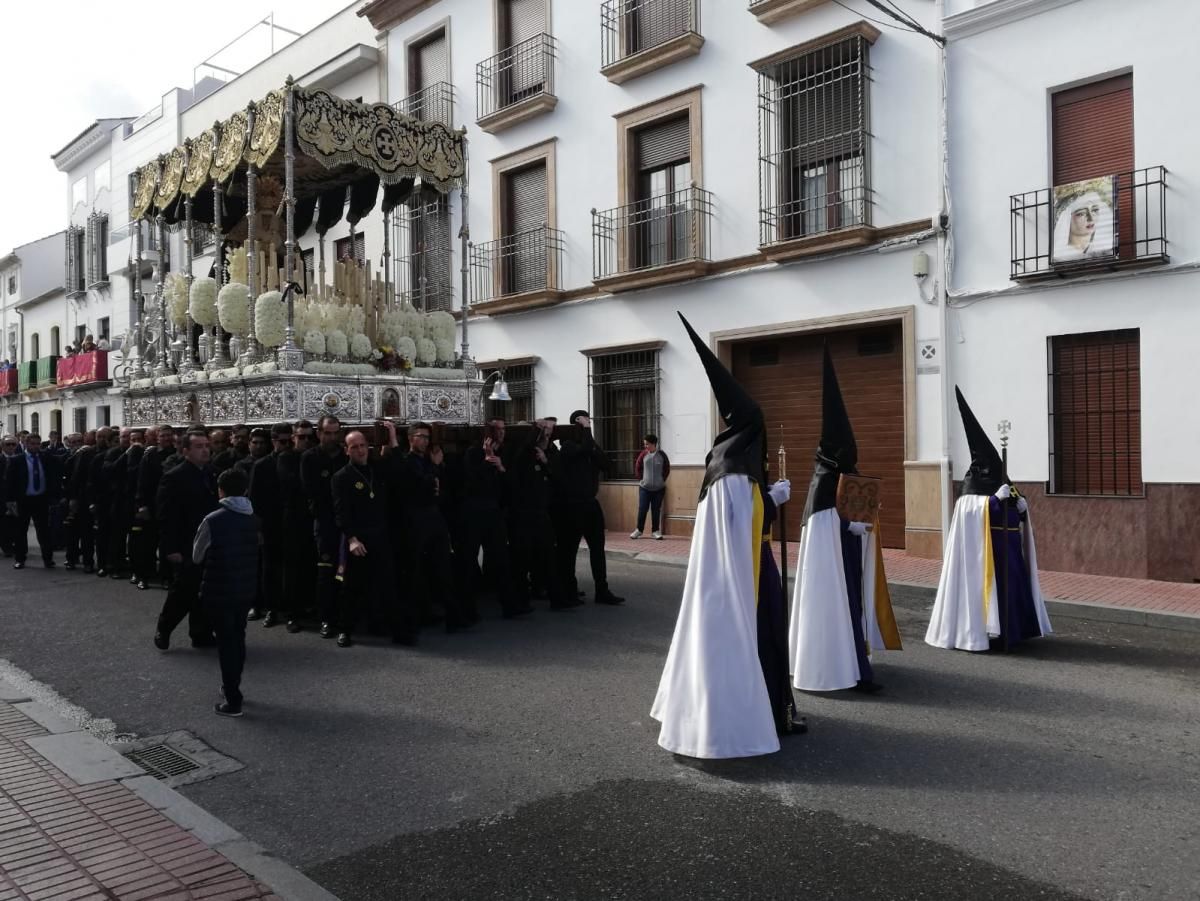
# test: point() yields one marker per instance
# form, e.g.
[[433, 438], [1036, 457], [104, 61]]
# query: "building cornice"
[[384, 14], [346, 64], [994, 15], [84, 143]]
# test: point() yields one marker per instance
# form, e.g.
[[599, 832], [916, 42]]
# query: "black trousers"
[[118, 542], [7, 525], [143, 550], [273, 593], [183, 600], [37, 511], [486, 528], [581, 520], [299, 572], [328, 540], [101, 523], [370, 585], [429, 568], [229, 621], [532, 551]]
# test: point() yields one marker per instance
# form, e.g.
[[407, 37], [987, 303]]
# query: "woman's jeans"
[[652, 501]]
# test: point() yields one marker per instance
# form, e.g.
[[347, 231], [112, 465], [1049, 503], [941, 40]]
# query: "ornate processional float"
[[261, 339]]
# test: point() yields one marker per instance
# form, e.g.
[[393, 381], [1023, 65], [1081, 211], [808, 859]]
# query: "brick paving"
[[61, 841], [1146, 595]]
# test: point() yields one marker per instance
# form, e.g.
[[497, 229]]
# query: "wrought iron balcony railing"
[[526, 262], [1111, 222], [27, 375], [519, 73], [423, 260], [432, 104], [670, 228], [47, 371], [631, 26]]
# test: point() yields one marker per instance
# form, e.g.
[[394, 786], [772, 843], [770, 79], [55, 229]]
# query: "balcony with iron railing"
[[655, 241], [517, 272], [771, 11], [516, 84], [423, 262], [639, 36], [47, 372], [431, 104], [1103, 224], [27, 375], [8, 382]]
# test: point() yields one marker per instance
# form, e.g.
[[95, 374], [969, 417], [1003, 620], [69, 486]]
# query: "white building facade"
[[769, 169], [1076, 268]]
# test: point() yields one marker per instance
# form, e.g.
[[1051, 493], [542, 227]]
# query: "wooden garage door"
[[784, 376]]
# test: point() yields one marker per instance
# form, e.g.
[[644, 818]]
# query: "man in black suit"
[[32, 482], [11, 449], [266, 496], [186, 494], [149, 475], [317, 466], [360, 510], [97, 493]]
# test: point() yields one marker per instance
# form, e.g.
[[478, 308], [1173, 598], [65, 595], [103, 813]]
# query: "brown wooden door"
[[784, 375]]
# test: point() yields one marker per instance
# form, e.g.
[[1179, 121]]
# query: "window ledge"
[[1093, 268], [515, 303], [825, 242], [771, 11], [516, 113], [672, 51], [657, 275]]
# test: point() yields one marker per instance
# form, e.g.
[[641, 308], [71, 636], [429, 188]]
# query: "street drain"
[[162, 762], [177, 758]]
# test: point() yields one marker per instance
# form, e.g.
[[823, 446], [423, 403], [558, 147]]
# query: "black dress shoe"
[[141, 585], [115, 575], [68, 565], [408, 639], [20, 564], [133, 580], [162, 641], [514, 612], [48, 564], [88, 568], [326, 630], [252, 614], [293, 626], [344, 640], [566, 604], [868, 688], [224, 708], [101, 573], [270, 619], [609, 598]]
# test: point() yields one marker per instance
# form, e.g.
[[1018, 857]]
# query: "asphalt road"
[[518, 761]]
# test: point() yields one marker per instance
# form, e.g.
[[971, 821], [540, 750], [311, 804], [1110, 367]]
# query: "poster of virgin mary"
[[1085, 220]]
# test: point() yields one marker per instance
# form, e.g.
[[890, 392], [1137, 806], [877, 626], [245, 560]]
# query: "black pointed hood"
[[986, 473], [837, 451], [741, 447]]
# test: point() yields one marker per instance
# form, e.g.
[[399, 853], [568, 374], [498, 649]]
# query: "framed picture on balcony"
[[1085, 221]]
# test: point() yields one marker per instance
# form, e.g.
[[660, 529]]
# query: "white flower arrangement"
[[445, 350], [439, 373], [202, 301], [376, 355], [270, 319], [142, 383], [391, 328], [356, 320], [360, 346], [314, 342], [333, 318], [317, 367], [261, 369], [239, 266], [231, 372], [233, 308], [440, 326], [176, 291], [413, 323], [426, 352], [336, 343], [406, 349]]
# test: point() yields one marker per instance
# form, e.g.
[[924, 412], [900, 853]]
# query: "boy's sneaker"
[[658, 536], [636, 533], [224, 708]]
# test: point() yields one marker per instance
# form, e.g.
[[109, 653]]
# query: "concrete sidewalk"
[[1172, 605], [79, 822]]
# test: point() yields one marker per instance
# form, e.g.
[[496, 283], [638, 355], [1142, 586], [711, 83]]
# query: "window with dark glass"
[[625, 403], [664, 175], [525, 217], [520, 389], [342, 250], [523, 66]]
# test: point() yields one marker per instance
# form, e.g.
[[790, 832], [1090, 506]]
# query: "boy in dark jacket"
[[227, 547]]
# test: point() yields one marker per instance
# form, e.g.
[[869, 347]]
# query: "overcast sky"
[[67, 64]]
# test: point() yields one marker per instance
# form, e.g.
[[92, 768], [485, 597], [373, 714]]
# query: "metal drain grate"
[[162, 762]]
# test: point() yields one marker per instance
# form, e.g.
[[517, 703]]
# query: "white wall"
[[1001, 81]]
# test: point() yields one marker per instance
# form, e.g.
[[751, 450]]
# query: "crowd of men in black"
[[389, 534]]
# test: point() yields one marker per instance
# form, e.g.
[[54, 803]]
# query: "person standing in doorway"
[[651, 469]]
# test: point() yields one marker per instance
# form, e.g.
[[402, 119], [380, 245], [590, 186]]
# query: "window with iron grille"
[[814, 163], [342, 250], [103, 416], [77, 247], [102, 325], [96, 239], [80, 419], [520, 389], [424, 264], [624, 388], [1095, 413], [309, 259]]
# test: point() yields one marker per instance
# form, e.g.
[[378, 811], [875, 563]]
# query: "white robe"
[[821, 633], [712, 699], [965, 612]]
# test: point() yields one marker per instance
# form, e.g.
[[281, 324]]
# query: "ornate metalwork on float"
[[300, 347]]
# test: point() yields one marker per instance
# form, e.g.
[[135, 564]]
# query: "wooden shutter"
[[526, 206], [663, 143], [522, 20], [430, 63], [1097, 413], [824, 97], [1093, 130]]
